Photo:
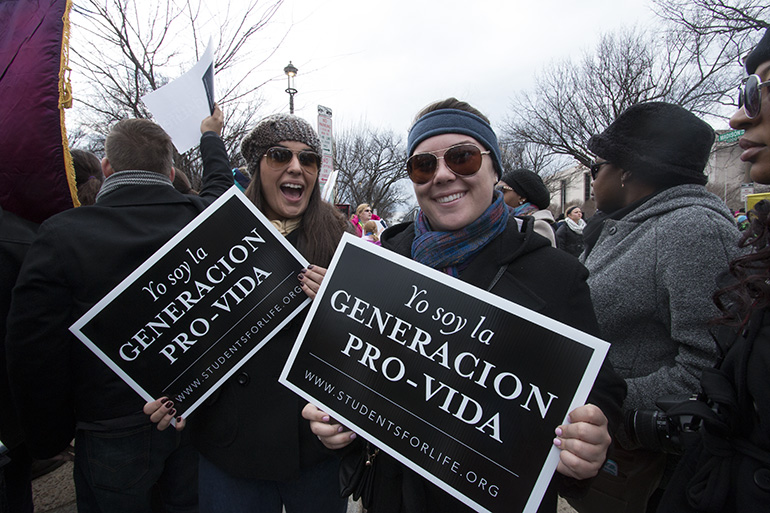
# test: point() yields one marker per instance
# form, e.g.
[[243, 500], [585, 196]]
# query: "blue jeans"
[[116, 471], [317, 490]]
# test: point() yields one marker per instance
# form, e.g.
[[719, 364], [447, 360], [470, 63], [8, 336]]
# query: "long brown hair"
[[322, 225]]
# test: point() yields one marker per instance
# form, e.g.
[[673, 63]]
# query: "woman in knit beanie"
[[257, 453], [654, 254], [524, 191]]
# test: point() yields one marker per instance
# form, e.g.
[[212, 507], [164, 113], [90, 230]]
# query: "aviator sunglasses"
[[750, 95], [277, 157], [462, 159]]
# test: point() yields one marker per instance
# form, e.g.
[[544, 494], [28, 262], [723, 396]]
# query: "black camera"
[[654, 430]]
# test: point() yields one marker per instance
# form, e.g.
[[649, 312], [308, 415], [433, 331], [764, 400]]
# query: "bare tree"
[[574, 100], [733, 21], [124, 49], [371, 169]]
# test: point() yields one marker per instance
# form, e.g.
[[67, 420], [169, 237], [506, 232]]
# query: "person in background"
[[466, 230], [60, 387], [743, 222], [88, 175], [182, 183], [370, 232], [569, 236], [727, 468], [362, 215], [257, 453], [654, 255], [524, 191]]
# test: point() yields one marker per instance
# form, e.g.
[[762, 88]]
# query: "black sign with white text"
[[460, 385], [203, 304]]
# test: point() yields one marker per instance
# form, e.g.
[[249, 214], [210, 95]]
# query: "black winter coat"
[[727, 470], [569, 241], [77, 258], [537, 277]]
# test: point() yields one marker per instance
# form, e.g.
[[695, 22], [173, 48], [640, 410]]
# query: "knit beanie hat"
[[759, 54], [274, 129], [664, 143], [528, 184]]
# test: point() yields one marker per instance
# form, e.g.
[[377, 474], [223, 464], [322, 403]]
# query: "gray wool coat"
[[652, 275]]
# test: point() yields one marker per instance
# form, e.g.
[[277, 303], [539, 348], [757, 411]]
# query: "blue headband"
[[453, 121]]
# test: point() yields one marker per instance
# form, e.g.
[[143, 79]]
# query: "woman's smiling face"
[[452, 201], [286, 189]]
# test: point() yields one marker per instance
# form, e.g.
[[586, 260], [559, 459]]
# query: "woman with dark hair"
[[654, 255], [88, 175], [257, 453], [466, 230], [569, 236], [727, 469]]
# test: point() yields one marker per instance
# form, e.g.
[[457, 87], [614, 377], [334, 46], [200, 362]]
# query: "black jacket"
[[537, 277], [727, 468], [16, 235], [78, 257], [569, 241], [252, 427]]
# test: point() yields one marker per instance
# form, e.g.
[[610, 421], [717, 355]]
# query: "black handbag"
[[357, 469]]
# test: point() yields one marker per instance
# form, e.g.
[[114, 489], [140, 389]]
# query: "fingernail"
[[310, 266], [300, 276], [169, 404], [558, 432], [163, 400], [340, 429], [352, 436], [569, 419], [179, 419], [557, 442], [303, 271], [172, 412], [326, 418]]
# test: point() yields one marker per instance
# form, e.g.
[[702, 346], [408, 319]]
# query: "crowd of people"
[[655, 272]]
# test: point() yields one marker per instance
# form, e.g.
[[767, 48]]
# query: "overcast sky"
[[379, 62]]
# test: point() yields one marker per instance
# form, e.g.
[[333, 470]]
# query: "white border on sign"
[[600, 349], [160, 253]]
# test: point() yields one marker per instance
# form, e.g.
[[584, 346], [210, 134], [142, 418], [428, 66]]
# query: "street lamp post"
[[291, 72]]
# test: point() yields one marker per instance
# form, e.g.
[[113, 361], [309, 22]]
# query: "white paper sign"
[[181, 105]]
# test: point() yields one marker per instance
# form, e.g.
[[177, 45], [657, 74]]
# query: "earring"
[[521, 202]]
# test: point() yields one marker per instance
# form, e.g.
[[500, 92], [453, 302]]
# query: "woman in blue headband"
[[465, 229]]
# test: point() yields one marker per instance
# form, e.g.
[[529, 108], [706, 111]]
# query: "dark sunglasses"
[[462, 159], [277, 157], [750, 95], [595, 167]]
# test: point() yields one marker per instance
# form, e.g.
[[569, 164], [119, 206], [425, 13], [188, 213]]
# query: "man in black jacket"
[[60, 387], [16, 234]]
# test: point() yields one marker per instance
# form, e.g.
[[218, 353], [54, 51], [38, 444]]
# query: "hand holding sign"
[[331, 433], [215, 122], [583, 442]]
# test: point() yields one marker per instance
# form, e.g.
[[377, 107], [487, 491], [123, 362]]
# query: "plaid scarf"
[[452, 252], [525, 209], [120, 179]]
